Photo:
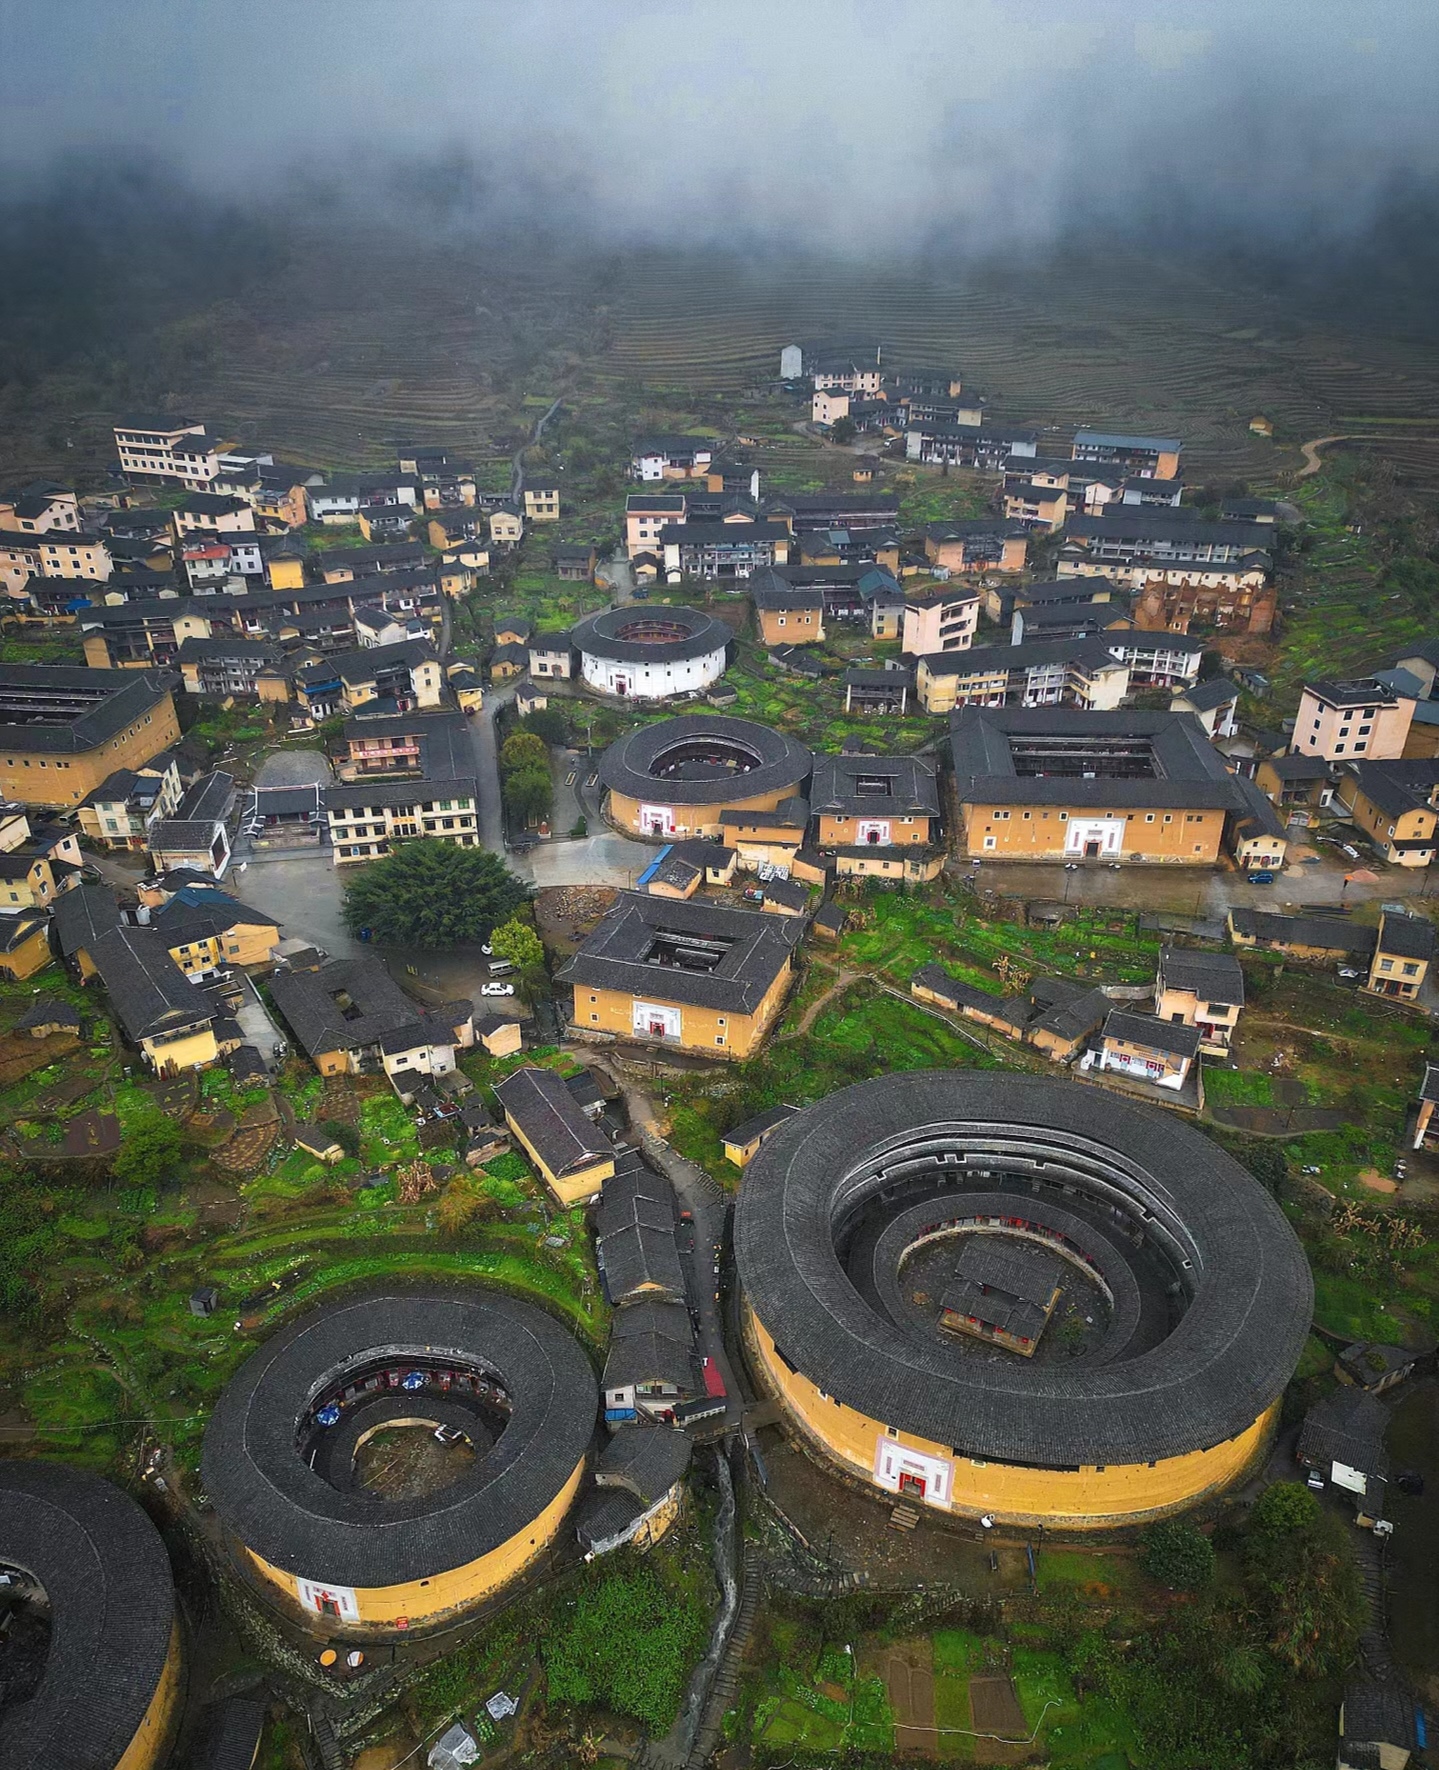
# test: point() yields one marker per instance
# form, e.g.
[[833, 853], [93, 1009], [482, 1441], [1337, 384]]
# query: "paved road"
[[617, 574]]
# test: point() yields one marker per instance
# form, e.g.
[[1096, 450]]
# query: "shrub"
[[1177, 1555], [628, 1645]]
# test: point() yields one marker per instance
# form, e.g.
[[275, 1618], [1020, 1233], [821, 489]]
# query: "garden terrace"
[[91, 1563], [496, 1368], [1159, 1418]]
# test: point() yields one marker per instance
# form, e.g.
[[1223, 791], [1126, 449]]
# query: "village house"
[[351, 1018], [81, 560], [1035, 506], [1202, 990], [1258, 836], [1143, 1048], [1313, 940], [507, 526], [1146, 457], [766, 838], [984, 544], [1377, 1729], [385, 522], [787, 614], [24, 947], [407, 674], [542, 500], [368, 818], [205, 930], [341, 565], [720, 548], [639, 1488], [193, 834], [1402, 956], [689, 975], [981, 446], [1051, 784], [574, 1157], [743, 1142], [575, 563], [939, 621], [1396, 804], [647, 515], [649, 1368], [876, 692], [1079, 673], [38, 508], [1001, 600], [212, 561], [231, 668], [550, 654], [1299, 786], [853, 547], [374, 627], [1215, 704], [208, 513], [175, 1025], [681, 868], [119, 812], [672, 457], [1426, 1131], [174, 451], [878, 815], [1341, 720]]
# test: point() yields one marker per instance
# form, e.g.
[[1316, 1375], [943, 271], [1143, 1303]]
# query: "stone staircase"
[[726, 1684]]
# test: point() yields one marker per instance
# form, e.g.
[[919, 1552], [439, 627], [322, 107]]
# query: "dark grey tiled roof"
[[1152, 1033], [147, 990], [47, 688], [630, 765], [638, 1257], [1377, 1714], [1259, 818], [601, 635], [1220, 1367], [648, 1463], [545, 1111], [1347, 1427], [1406, 937], [1329, 933], [911, 787], [647, 1357], [307, 999], [229, 1736], [267, 1496], [762, 1122], [759, 948], [104, 1569], [1188, 772], [635, 1195], [607, 1513], [1215, 977], [1298, 768], [1204, 696]]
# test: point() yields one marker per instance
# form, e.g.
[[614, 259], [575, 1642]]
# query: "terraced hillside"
[[1114, 340]]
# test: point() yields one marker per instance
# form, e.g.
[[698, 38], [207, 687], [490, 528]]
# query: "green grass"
[[1074, 1731], [1349, 1306], [1237, 1087]]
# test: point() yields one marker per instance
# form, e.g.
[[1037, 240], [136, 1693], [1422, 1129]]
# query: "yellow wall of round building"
[[424, 1602], [1071, 1499], [694, 820], [151, 1740]]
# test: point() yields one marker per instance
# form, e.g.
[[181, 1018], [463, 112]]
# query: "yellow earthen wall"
[[699, 1027], [1038, 832], [425, 1601], [1087, 1498], [152, 1736]]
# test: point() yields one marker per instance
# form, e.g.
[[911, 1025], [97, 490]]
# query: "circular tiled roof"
[[748, 760], [105, 1573], [267, 1495], [1235, 1261], [640, 633]]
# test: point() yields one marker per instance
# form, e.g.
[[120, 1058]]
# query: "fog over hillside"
[[922, 124]]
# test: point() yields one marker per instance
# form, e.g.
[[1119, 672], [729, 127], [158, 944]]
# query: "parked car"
[[497, 989], [1261, 878]]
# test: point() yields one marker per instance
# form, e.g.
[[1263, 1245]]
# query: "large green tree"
[[518, 942], [149, 1151], [429, 893], [1177, 1555]]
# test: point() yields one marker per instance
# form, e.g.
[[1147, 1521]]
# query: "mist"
[[960, 126]]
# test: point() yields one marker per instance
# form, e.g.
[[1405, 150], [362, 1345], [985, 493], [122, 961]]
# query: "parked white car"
[[497, 989]]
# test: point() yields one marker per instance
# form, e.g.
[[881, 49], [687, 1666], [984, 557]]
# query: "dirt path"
[[1310, 452], [807, 1019]]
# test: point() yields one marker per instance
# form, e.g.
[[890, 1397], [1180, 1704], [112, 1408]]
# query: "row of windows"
[[1190, 817]]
